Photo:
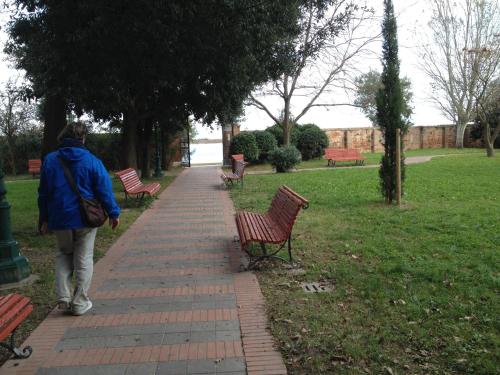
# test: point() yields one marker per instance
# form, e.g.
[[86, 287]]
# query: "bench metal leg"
[[263, 247], [254, 259], [290, 248], [18, 353]]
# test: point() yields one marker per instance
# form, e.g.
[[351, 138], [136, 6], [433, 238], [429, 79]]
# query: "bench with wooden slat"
[[334, 155], [34, 166], [13, 310], [133, 186], [237, 176], [236, 158], [273, 227]]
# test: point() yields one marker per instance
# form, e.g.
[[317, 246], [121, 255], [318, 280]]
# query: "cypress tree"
[[390, 106]]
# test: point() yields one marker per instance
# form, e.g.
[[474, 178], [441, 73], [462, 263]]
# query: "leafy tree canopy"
[[157, 58], [367, 88]]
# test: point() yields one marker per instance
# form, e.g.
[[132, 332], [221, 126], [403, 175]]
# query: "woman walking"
[[60, 212]]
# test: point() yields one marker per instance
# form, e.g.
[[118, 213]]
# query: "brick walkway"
[[169, 298]]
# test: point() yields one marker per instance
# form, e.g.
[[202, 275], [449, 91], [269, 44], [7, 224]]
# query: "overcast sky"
[[412, 17]]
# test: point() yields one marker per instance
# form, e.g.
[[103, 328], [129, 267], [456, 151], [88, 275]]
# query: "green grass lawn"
[[371, 158], [415, 290], [40, 250]]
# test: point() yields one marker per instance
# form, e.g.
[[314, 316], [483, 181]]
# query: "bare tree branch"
[[460, 30], [328, 51]]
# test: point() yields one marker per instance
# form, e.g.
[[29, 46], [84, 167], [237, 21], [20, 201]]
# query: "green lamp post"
[[13, 266]]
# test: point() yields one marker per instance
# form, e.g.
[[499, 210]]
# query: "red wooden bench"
[[237, 176], [273, 227], [236, 158], [334, 155], [34, 166], [133, 186], [13, 310]]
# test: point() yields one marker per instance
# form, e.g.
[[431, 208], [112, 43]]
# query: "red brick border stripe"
[[209, 269], [258, 345], [145, 354], [156, 318], [143, 259], [161, 292]]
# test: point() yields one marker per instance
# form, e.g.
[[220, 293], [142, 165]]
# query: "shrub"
[[284, 158], [312, 141], [105, 146], [277, 131], [27, 146], [246, 144], [265, 143]]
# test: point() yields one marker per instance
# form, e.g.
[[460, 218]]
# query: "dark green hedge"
[[265, 143], [246, 144]]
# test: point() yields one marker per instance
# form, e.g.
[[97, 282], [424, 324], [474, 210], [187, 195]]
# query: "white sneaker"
[[81, 311]]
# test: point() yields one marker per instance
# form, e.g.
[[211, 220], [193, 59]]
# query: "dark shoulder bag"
[[93, 215]]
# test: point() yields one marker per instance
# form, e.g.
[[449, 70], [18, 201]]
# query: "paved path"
[[408, 160], [169, 298]]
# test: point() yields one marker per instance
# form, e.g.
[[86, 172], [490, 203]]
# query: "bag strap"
[[69, 177]]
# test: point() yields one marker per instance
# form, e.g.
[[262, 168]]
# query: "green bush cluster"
[[265, 143], [261, 146], [27, 146], [277, 131], [284, 158], [105, 146], [246, 144], [309, 139]]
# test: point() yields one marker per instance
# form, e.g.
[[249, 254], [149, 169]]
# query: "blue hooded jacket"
[[58, 203]]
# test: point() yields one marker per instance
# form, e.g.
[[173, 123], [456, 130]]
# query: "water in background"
[[206, 153]]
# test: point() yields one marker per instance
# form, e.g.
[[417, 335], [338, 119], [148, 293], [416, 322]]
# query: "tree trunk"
[[461, 125], [54, 117], [129, 140], [11, 157], [490, 138], [166, 140], [146, 149], [286, 123], [490, 150]]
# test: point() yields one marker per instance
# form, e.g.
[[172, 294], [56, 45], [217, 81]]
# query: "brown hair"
[[74, 130]]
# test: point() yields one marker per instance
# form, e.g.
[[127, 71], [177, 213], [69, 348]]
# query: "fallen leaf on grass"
[[398, 302], [468, 318], [389, 370], [424, 353], [284, 320], [338, 358]]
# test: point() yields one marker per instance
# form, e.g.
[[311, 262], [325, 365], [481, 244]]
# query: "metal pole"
[[189, 148], [398, 166], [158, 172], [13, 266]]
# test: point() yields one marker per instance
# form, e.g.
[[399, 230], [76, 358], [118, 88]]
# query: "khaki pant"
[[74, 258]]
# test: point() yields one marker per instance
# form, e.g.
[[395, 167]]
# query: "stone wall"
[[370, 139]]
